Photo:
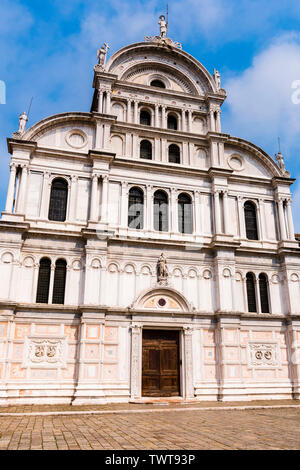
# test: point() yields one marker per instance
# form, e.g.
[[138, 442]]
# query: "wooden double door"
[[160, 370]]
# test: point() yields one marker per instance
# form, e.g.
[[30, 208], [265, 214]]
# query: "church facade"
[[143, 252]]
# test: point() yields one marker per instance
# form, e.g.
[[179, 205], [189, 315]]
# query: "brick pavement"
[[214, 429]]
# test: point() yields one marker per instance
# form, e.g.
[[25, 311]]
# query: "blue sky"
[[48, 50]]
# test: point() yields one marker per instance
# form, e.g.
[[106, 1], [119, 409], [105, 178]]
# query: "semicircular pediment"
[[179, 65], [162, 299]]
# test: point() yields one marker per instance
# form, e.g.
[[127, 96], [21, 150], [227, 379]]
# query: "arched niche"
[[162, 299]]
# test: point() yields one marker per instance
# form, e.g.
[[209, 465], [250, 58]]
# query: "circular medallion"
[[162, 302]]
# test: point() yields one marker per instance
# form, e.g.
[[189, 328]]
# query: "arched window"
[[185, 219], [251, 297], [145, 118], [161, 209], [42, 294], [59, 282], [250, 221], [263, 292], [172, 122], [174, 154], [158, 84], [136, 208], [58, 200], [146, 150]]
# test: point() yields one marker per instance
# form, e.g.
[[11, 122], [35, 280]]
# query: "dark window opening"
[[250, 221], [185, 220], [136, 208], [59, 282], [146, 150], [251, 297], [158, 84], [174, 154], [172, 122], [145, 118], [263, 291], [42, 295], [161, 219], [58, 200]]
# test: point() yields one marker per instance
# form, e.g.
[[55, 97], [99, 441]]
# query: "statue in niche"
[[162, 269], [217, 78], [163, 25], [101, 54]]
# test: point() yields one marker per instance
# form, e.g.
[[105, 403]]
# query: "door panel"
[[160, 374]]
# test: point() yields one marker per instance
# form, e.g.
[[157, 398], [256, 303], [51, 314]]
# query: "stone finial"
[[217, 79], [23, 118], [101, 55], [280, 160], [162, 269]]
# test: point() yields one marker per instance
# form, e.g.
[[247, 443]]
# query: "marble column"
[[136, 365], [197, 213], [190, 121], [226, 213], [45, 196], [257, 294], [183, 123], [242, 226], [281, 219], [149, 208], [11, 188], [124, 204], [261, 215], [100, 101], [290, 220], [94, 199], [73, 198], [107, 108], [23, 189], [212, 120], [129, 110], [217, 212], [218, 121], [156, 115], [163, 117], [135, 112], [104, 199], [188, 353], [174, 211]]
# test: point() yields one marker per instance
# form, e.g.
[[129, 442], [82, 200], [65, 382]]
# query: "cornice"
[[13, 144]]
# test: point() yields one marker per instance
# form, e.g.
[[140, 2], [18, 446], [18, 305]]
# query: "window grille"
[[185, 220], [250, 283], [172, 122], [145, 118], [263, 291], [146, 150], [174, 154], [42, 295], [250, 221], [59, 282], [161, 216], [58, 200], [136, 208]]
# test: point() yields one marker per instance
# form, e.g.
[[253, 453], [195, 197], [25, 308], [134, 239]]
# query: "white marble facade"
[[89, 349]]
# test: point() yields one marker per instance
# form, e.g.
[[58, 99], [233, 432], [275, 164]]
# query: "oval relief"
[[236, 162], [28, 262], [76, 138], [7, 257], [207, 274]]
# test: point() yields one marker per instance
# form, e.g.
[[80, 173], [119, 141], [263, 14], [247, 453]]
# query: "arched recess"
[[162, 299]]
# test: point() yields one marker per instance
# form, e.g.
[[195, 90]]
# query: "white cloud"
[[259, 103]]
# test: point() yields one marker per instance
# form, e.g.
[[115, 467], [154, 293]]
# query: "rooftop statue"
[[22, 125], [163, 26], [280, 160], [217, 79], [101, 54]]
